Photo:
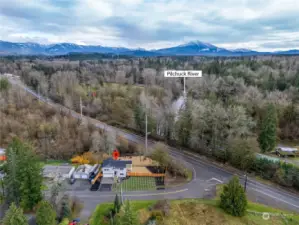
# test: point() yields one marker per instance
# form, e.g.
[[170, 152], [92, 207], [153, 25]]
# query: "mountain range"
[[189, 49]]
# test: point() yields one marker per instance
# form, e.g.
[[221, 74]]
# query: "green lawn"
[[101, 211], [190, 211], [136, 184], [99, 216], [55, 162]]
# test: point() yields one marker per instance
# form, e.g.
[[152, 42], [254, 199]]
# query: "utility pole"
[[245, 185], [81, 108], [38, 95], [185, 87], [146, 133], [121, 194]]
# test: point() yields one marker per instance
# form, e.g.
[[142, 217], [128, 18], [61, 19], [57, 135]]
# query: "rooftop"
[[116, 163]]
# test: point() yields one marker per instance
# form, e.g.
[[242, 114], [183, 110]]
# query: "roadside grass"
[[101, 214], [194, 212], [190, 175], [282, 216], [136, 184], [55, 162], [251, 205]]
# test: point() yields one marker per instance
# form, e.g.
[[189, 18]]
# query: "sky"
[[263, 25]]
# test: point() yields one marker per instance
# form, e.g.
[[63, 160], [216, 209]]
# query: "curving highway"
[[206, 176]]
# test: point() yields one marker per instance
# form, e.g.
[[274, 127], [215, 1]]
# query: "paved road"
[[206, 176]]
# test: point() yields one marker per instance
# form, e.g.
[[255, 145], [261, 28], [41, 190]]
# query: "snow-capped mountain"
[[191, 48], [20, 48], [54, 49], [242, 50], [288, 52]]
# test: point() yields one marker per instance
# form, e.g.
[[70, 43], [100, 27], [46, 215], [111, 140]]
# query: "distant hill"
[[189, 49]]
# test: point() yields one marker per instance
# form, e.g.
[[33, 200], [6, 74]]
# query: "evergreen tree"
[[267, 137], [55, 189], [4, 84], [184, 124], [233, 198], [65, 210], [117, 204], [24, 175], [271, 84], [139, 116], [45, 214], [129, 217], [12, 168], [14, 216], [31, 180]]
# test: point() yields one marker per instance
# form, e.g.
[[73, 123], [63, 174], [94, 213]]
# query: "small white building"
[[116, 168]]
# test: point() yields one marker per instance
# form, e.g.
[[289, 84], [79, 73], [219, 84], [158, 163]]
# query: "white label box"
[[182, 73]]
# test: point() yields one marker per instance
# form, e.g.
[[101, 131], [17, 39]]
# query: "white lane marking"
[[279, 199], [253, 182], [133, 195], [219, 181]]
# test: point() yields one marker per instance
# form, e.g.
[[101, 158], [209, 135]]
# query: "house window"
[[106, 169], [121, 174]]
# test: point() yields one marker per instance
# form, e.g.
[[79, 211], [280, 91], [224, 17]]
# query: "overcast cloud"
[[256, 24]]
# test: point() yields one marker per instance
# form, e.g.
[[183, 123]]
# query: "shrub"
[[45, 214], [160, 154], [233, 198], [241, 152], [4, 84], [76, 206], [162, 206], [65, 221], [14, 215], [157, 214]]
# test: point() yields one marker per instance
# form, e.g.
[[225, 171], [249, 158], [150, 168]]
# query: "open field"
[[98, 217], [197, 212], [136, 184]]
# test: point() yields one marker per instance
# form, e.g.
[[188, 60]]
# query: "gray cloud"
[[259, 24]]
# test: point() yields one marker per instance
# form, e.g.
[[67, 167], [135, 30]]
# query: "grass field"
[[99, 215], [136, 184], [55, 162], [201, 212], [196, 212]]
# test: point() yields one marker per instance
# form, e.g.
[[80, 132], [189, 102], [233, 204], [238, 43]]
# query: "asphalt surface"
[[205, 176]]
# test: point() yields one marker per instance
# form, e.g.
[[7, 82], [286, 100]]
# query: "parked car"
[[286, 151]]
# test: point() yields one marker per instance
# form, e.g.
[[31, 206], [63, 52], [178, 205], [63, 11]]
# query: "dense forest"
[[54, 135], [230, 101]]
